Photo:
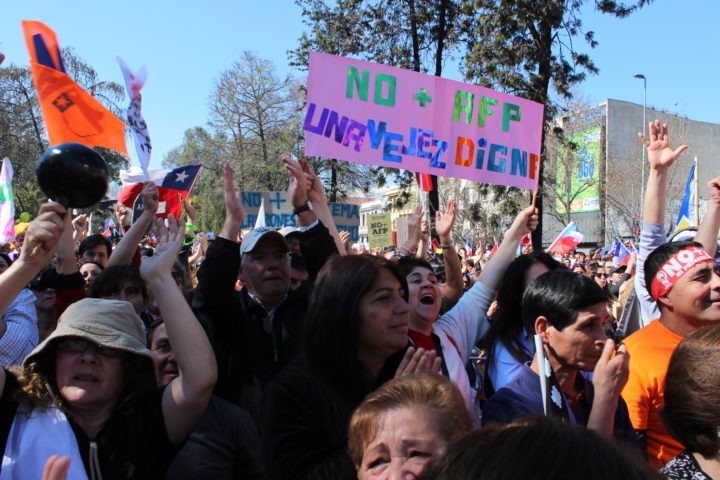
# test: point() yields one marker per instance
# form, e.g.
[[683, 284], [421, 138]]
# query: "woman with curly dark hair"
[[88, 390]]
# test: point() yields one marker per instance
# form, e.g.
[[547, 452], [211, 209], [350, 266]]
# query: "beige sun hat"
[[110, 323]]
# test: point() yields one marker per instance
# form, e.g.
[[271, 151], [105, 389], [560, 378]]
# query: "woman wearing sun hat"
[[88, 390]]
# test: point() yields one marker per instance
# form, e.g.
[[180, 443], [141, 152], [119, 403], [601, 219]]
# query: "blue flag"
[[686, 215]]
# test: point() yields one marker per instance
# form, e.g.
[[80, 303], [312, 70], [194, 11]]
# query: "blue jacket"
[[521, 397]]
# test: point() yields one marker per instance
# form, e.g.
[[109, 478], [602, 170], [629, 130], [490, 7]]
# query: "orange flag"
[[71, 114]]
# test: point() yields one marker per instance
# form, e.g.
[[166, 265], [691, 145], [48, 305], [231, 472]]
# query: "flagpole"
[[696, 200], [540, 352]]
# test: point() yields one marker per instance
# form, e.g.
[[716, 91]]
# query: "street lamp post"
[[642, 167]]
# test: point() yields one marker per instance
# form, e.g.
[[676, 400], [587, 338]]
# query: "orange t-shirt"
[[650, 349]]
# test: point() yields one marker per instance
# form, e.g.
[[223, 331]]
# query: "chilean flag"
[[621, 255], [568, 239], [425, 181], [170, 182]]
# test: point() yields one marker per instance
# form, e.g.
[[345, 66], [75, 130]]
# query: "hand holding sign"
[[525, 222]]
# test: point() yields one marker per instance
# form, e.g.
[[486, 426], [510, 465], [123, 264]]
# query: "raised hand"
[[315, 189], [190, 209], [297, 181], [80, 227], [43, 234], [445, 221], [525, 222], [169, 241], [714, 190], [202, 241], [122, 213], [234, 210], [660, 154], [149, 196]]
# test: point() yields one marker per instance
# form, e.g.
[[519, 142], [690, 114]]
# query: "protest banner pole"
[[696, 200]]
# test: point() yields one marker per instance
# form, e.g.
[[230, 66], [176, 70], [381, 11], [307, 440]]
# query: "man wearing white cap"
[[256, 331]]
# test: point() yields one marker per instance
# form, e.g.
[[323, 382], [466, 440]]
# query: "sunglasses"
[[79, 345], [604, 275]]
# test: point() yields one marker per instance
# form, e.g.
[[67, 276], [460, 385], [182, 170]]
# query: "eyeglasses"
[[604, 275], [79, 345]]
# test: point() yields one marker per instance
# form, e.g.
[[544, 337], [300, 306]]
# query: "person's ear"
[[541, 328], [665, 301], [240, 275]]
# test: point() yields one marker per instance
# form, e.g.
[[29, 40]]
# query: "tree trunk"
[[414, 34], [333, 180], [434, 196], [541, 95]]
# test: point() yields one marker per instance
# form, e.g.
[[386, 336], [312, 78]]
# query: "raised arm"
[[661, 157], [213, 297], [124, 251], [412, 244], [708, 230], [67, 263], [454, 285], [41, 241], [318, 199], [185, 399], [234, 211], [525, 222], [298, 186]]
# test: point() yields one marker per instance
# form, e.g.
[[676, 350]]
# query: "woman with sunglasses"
[[600, 274], [89, 390]]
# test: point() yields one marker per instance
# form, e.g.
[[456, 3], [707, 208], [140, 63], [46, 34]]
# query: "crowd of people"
[[295, 354]]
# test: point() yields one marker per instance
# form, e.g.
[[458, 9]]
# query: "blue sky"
[[187, 44]]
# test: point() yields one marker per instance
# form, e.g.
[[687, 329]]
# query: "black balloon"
[[73, 174]]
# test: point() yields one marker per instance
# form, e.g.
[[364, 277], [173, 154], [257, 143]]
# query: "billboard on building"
[[578, 173]]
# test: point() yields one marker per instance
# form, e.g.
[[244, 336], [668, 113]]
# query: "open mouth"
[[427, 299], [86, 377]]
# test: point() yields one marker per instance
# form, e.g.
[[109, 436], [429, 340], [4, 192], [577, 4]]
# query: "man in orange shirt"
[[679, 287]]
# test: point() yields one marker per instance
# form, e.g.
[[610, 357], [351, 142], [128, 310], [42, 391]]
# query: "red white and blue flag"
[[568, 239], [621, 255], [172, 184]]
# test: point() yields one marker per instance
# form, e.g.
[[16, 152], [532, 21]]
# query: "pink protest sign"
[[373, 114]]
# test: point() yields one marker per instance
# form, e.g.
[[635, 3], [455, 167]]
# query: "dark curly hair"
[[38, 387]]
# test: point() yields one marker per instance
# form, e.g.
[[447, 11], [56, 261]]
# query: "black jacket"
[[250, 345], [305, 419]]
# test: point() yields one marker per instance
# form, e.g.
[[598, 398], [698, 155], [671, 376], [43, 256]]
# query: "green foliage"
[[200, 146], [526, 48]]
